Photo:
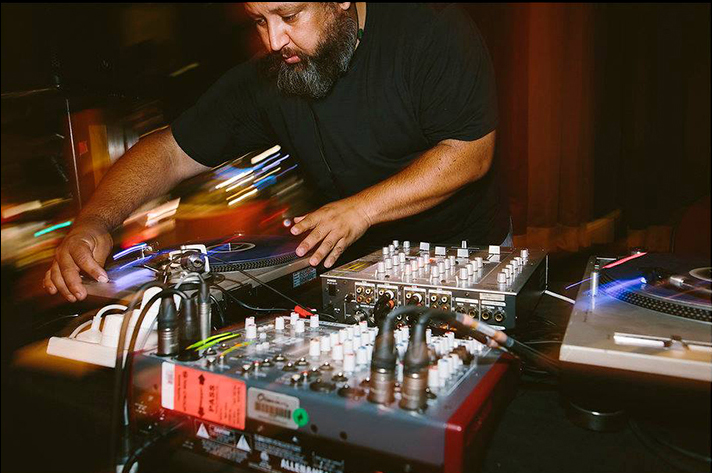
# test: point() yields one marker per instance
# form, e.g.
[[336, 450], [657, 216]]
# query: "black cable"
[[116, 411], [275, 291], [134, 337], [133, 457], [219, 310], [658, 448], [247, 306]]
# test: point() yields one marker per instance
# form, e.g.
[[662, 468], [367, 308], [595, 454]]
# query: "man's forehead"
[[261, 8]]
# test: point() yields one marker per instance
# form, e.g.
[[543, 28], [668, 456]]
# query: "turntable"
[[265, 257], [648, 313]]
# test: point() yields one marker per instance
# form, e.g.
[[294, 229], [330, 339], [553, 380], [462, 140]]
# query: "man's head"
[[309, 44]]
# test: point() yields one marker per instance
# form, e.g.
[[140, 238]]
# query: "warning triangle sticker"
[[243, 445], [203, 432]]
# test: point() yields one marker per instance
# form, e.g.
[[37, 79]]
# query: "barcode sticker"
[[204, 395], [273, 408]]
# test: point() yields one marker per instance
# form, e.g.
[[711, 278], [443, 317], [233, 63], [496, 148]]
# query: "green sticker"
[[301, 417]]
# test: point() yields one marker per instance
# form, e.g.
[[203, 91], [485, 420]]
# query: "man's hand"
[[337, 225], [84, 249]]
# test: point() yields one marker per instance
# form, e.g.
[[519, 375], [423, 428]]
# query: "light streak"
[[53, 228]]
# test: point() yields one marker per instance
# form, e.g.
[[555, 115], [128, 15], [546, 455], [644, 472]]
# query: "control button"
[[289, 367], [314, 374], [365, 382], [502, 278], [351, 393], [302, 362], [279, 324], [295, 378], [349, 362], [249, 321], [267, 362], [279, 358], [314, 321], [389, 264], [406, 245], [314, 348], [246, 367], [322, 386], [524, 254], [325, 344], [299, 327], [339, 377], [430, 394], [211, 351], [326, 366], [381, 267], [337, 352], [251, 332], [396, 243]]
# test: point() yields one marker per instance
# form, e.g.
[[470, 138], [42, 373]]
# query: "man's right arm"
[[150, 169]]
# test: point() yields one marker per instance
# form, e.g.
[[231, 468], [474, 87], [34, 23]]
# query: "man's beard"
[[314, 75]]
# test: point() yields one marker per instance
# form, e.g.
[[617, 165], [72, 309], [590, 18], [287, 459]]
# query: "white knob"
[[456, 362], [463, 273], [314, 347], [446, 264], [396, 260], [408, 270], [362, 356], [389, 263], [381, 267], [478, 262], [434, 272], [293, 317], [414, 265], [343, 335], [433, 377], [348, 346], [396, 243], [279, 324], [364, 325], [406, 245], [464, 244], [251, 332], [453, 260], [350, 332], [524, 254], [428, 335], [401, 257], [265, 346], [421, 261], [337, 352], [299, 327], [326, 344], [335, 338], [263, 335], [386, 253], [369, 352], [314, 321], [357, 340], [349, 362], [249, 321], [501, 278], [391, 249], [441, 267], [443, 370], [470, 269]]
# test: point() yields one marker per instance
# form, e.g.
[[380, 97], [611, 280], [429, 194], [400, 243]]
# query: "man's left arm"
[[431, 178]]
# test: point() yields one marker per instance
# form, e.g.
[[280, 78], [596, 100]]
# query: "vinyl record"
[[663, 282], [242, 252]]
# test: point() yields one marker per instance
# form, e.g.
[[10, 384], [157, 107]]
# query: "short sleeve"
[[453, 80], [226, 122]]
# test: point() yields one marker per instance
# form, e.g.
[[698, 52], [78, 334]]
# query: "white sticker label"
[[494, 304], [168, 374], [492, 297], [271, 407], [467, 301]]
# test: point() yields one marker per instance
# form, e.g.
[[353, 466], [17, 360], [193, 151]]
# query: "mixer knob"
[[339, 377], [428, 335], [337, 352], [502, 278], [326, 366], [433, 377], [293, 317], [361, 356], [414, 266], [464, 244], [408, 270], [314, 347], [249, 321], [299, 327], [349, 362], [263, 335], [396, 243], [406, 245], [381, 267], [386, 253], [463, 273], [396, 260], [343, 335], [524, 254], [325, 344], [401, 257], [443, 370], [295, 378], [348, 347], [279, 324], [251, 332], [302, 362], [334, 338], [389, 263], [391, 249], [314, 321], [478, 262], [453, 260]]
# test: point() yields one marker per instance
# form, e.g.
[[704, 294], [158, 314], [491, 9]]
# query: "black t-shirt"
[[420, 75]]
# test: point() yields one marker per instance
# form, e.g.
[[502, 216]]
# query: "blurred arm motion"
[[149, 169]]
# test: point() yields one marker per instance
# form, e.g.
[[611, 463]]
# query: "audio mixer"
[[498, 285], [291, 394]]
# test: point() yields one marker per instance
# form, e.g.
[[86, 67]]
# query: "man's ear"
[[344, 5]]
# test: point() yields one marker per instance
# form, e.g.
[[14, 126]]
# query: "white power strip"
[[98, 346]]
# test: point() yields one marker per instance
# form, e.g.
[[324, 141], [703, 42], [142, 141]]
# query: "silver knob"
[[501, 278]]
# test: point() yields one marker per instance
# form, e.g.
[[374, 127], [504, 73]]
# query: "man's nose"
[[277, 37]]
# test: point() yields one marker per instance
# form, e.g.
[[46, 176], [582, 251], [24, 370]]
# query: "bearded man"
[[390, 110]]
